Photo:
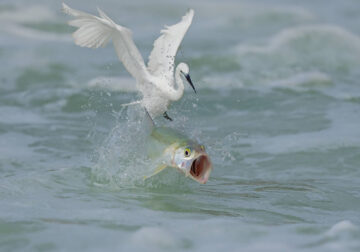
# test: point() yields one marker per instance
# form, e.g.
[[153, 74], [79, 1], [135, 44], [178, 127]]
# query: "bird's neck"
[[179, 89]]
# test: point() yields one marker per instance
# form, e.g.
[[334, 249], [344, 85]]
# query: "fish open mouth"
[[201, 169]]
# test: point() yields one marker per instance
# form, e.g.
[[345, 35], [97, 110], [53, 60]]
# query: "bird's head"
[[184, 70]]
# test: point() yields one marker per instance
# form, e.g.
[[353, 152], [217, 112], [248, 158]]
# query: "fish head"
[[192, 159]]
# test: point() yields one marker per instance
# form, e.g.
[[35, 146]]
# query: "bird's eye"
[[202, 147], [187, 152]]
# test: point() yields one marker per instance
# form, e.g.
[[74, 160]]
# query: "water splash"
[[122, 161], [121, 158]]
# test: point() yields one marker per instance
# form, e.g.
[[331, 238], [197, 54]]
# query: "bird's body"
[[155, 102], [157, 82]]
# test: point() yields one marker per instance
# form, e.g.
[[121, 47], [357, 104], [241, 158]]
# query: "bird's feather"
[[94, 32], [162, 58]]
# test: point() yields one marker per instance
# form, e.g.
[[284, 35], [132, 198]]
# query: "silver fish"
[[170, 148]]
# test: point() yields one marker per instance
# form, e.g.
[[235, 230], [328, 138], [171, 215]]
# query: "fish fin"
[[158, 169]]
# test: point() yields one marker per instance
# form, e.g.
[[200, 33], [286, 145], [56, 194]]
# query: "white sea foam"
[[342, 236], [341, 227], [154, 237]]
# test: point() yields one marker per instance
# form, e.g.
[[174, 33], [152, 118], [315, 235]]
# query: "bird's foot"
[[166, 116]]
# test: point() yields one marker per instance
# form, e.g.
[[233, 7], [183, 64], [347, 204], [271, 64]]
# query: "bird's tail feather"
[[93, 31]]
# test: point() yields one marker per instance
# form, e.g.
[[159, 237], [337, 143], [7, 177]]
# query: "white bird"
[[156, 82]]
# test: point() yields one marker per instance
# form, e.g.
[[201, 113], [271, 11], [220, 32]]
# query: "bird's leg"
[[167, 117]]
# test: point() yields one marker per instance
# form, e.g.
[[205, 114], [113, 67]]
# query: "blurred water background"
[[278, 108]]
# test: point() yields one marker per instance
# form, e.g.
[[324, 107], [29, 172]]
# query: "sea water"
[[277, 107]]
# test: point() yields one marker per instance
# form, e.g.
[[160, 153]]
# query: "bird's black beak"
[[187, 76]]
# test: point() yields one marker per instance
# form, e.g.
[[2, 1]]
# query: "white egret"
[[156, 82]]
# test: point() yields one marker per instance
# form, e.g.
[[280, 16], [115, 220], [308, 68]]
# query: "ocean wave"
[[252, 16], [219, 81], [252, 13], [306, 34], [310, 55], [29, 14], [123, 84], [21, 31], [303, 79], [25, 22], [332, 137]]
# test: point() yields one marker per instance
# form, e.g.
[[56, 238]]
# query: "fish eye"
[[187, 152]]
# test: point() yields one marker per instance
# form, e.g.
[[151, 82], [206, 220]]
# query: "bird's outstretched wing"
[[94, 32], [162, 58]]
